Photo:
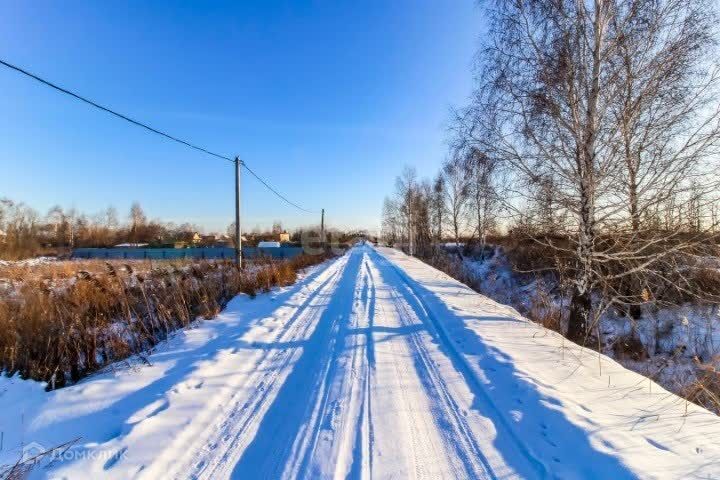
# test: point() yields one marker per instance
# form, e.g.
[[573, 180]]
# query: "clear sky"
[[326, 99]]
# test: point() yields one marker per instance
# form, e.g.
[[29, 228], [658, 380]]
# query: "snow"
[[30, 262], [453, 245], [268, 244], [372, 365]]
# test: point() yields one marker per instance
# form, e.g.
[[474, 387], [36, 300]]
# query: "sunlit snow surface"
[[372, 366]]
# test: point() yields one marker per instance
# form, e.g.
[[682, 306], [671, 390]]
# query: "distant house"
[[196, 238], [208, 240], [269, 245], [284, 237], [225, 240]]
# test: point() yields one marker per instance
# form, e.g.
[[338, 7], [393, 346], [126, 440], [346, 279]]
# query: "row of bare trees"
[[463, 200], [595, 128], [24, 232]]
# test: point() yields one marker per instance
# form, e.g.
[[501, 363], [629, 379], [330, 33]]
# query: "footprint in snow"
[[547, 439], [609, 445]]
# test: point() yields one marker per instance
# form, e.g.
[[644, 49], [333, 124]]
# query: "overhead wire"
[[151, 129]]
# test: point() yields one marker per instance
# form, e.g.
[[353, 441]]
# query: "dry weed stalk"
[[59, 326]]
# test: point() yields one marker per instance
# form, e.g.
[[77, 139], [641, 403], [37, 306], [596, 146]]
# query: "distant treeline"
[[24, 232]]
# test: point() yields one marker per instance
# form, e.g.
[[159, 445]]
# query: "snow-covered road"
[[353, 383], [372, 366]]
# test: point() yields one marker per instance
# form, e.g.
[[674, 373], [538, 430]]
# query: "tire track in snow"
[[236, 433], [408, 434], [322, 415], [447, 409], [288, 430], [417, 438], [462, 365], [339, 441], [342, 432], [460, 439], [368, 438], [315, 410], [209, 450]]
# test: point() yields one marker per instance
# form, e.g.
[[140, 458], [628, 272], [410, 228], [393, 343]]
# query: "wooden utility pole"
[[322, 227], [238, 233]]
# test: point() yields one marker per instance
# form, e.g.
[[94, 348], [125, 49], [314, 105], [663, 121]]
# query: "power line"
[[112, 112], [275, 191], [147, 127]]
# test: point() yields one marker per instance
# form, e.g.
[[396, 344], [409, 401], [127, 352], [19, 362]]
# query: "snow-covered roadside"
[[545, 388], [192, 375], [680, 341]]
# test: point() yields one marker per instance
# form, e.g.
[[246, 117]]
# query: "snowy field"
[[374, 365]]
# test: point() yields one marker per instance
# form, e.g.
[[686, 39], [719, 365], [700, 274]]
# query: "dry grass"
[[528, 255], [705, 282], [629, 347], [452, 265], [62, 321], [23, 468], [29, 249], [705, 390]]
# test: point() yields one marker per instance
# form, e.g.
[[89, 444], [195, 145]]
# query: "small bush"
[[629, 347], [544, 311], [705, 390]]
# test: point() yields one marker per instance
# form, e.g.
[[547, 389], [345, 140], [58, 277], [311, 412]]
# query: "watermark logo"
[[35, 452]]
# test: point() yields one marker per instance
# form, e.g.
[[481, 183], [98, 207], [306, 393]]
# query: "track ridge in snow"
[[274, 367], [471, 378]]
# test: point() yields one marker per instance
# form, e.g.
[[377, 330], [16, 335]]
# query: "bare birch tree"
[[481, 171], [437, 207], [568, 91], [457, 189], [406, 216]]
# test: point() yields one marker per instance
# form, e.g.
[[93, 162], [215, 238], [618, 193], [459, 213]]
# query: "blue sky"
[[326, 99]]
